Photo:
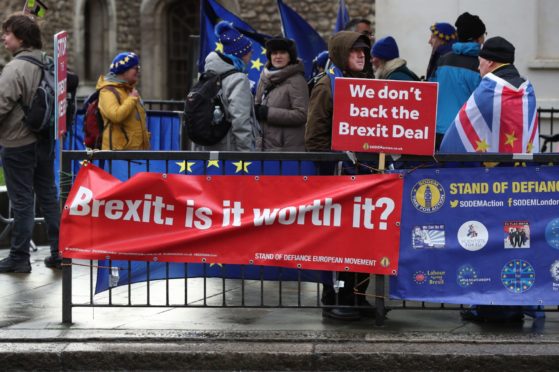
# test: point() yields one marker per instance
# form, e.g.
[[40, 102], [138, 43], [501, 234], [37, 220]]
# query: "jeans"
[[29, 170]]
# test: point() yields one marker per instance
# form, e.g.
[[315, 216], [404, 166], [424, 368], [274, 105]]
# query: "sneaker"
[[9, 265], [53, 262], [341, 313]]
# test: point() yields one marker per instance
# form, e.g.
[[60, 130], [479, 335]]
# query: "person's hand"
[[261, 112], [134, 93]]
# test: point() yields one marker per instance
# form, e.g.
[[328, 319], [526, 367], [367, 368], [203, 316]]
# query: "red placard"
[[396, 117], [61, 60], [318, 222]]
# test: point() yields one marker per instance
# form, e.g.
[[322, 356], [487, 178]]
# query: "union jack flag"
[[497, 117]]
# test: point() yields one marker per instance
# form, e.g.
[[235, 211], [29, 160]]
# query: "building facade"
[[163, 32]]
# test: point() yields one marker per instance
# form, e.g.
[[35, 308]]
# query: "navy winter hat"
[[469, 27], [322, 58], [385, 48], [497, 49], [232, 40], [444, 31], [123, 62]]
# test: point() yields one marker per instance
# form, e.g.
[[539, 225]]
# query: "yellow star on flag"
[[218, 47], [530, 147], [184, 165], [213, 163], [218, 264], [257, 64], [263, 51], [482, 146], [332, 71], [242, 166], [510, 139]]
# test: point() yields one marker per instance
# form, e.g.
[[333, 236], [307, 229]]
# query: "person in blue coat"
[[457, 72]]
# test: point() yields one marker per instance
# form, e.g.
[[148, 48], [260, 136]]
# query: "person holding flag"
[[500, 115], [234, 54]]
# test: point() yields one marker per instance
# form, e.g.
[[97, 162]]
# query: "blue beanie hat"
[[385, 48], [232, 40], [124, 62], [322, 58], [444, 31]]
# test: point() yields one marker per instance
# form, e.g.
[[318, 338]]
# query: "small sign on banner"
[[384, 116]]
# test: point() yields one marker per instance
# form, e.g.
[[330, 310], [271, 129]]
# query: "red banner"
[[311, 222], [395, 117]]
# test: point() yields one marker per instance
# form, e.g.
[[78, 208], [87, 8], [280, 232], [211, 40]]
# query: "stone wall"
[[263, 16]]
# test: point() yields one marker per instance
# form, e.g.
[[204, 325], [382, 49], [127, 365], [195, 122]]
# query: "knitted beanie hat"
[[123, 62], [385, 48], [469, 27], [497, 49], [232, 40], [444, 31]]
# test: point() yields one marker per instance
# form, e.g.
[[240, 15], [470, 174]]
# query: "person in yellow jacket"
[[121, 106]]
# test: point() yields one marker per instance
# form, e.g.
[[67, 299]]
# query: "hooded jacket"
[[239, 106], [318, 134], [395, 69], [285, 93], [19, 79], [124, 117]]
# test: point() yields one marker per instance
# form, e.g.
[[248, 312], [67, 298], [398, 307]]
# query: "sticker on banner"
[[428, 196], [473, 236]]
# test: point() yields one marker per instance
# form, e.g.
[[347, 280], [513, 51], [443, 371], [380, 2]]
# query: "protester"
[[387, 63], [236, 94], [28, 161], [282, 98], [121, 107], [457, 72], [489, 122], [364, 27], [348, 51], [360, 25], [441, 38]]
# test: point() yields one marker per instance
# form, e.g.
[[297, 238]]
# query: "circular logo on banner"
[[472, 236], [552, 233], [419, 277], [518, 276], [466, 276], [427, 196], [554, 270], [385, 262]]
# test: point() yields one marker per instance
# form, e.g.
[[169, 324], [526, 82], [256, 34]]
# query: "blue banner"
[[342, 19], [309, 42], [480, 236]]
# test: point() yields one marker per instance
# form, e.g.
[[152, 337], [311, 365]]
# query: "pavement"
[[33, 337]]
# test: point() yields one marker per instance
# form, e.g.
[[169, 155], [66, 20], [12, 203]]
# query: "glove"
[[261, 112]]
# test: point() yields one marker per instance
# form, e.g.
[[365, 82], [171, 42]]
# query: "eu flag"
[[343, 17], [308, 41], [211, 13]]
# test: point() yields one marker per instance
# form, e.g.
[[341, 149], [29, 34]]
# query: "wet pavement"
[[32, 335]]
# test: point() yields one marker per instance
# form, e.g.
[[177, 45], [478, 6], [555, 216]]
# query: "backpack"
[[93, 124], [313, 80], [205, 119], [39, 115]]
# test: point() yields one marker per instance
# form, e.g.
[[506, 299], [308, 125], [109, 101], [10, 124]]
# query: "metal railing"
[[241, 292]]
